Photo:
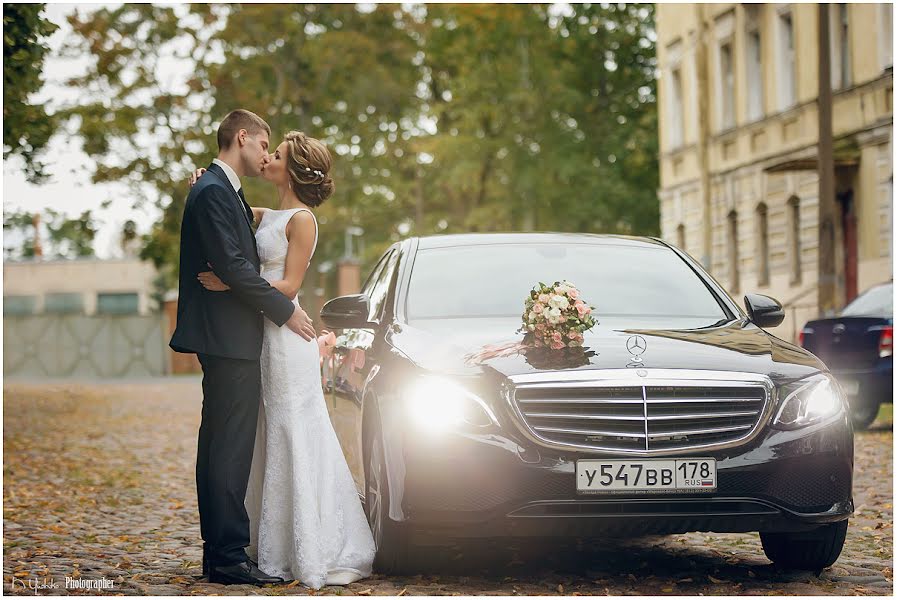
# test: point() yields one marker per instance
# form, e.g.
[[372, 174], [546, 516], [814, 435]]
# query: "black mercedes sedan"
[[678, 413], [858, 348]]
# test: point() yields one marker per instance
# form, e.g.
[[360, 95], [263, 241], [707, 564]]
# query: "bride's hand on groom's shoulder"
[[194, 177]]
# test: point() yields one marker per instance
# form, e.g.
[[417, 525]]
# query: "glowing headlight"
[[437, 404], [814, 400]]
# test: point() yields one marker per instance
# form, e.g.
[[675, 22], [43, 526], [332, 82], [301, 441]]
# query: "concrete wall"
[[86, 276]]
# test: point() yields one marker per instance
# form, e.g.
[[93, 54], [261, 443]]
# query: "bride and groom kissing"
[[277, 501]]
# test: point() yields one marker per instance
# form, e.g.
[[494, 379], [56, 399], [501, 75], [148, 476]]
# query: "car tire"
[[811, 550], [863, 411], [390, 538]]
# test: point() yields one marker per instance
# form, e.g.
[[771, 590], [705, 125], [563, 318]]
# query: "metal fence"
[[84, 346]]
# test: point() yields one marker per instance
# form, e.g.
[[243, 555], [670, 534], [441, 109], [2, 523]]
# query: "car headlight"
[[808, 401], [437, 404]]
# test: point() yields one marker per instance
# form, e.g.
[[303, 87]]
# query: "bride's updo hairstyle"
[[308, 167]]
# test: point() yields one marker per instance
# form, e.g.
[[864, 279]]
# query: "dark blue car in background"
[[858, 348]]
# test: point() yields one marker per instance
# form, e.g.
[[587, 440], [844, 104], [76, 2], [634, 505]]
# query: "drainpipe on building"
[[826, 266], [703, 137]]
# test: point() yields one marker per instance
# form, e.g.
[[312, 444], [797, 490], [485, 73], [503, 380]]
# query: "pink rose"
[[557, 345], [573, 293], [326, 343], [581, 308], [556, 336], [572, 335], [538, 308], [543, 298], [540, 327]]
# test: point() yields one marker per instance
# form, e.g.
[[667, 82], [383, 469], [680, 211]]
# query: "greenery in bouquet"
[[556, 316]]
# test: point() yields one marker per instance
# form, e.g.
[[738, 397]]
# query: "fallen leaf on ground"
[[402, 593]]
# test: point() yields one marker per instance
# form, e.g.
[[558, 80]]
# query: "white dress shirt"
[[231, 174]]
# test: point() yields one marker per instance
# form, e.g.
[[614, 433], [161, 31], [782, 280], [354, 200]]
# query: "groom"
[[225, 331]]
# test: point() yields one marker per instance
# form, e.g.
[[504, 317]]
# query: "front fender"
[[386, 402]]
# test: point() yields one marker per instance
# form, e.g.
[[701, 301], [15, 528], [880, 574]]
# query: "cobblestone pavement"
[[99, 483]]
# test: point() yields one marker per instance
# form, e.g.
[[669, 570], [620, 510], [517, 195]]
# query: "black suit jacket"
[[216, 230]]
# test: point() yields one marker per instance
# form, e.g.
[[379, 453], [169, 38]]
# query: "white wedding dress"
[[306, 519]]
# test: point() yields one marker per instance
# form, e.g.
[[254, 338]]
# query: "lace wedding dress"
[[306, 519]]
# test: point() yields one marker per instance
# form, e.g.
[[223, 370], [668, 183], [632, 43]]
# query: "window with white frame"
[[677, 115], [886, 35], [724, 30], [727, 86], [840, 45], [787, 66], [675, 105], [753, 63]]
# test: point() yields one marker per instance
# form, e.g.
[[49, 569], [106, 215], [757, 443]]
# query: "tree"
[[441, 118], [27, 127], [66, 237]]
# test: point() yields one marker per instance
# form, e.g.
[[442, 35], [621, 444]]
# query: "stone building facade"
[[738, 136]]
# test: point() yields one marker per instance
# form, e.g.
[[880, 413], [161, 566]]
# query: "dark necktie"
[[246, 208]]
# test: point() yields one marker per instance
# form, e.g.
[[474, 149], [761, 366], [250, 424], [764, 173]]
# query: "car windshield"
[[877, 302], [617, 279]]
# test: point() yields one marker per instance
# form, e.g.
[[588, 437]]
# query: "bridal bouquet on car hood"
[[556, 316]]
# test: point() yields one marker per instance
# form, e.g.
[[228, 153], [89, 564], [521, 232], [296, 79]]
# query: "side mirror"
[[347, 312], [763, 310]]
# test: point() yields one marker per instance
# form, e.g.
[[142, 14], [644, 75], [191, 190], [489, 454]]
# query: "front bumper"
[[489, 485]]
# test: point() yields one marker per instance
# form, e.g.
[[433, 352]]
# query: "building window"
[[754, 64], [117, 304], [840, 46], [886, 35], [762, 245], [727, 86], [794, 241], [677, 115], [786, 62], [19, 305], [733, 252], [68, 303]]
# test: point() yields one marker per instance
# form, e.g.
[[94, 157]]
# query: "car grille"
[[652, 418]]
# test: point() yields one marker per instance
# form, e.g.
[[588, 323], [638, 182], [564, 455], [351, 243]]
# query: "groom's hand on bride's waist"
[[300, 323]]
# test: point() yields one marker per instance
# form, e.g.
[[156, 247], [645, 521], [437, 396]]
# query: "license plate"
[[851, 386], [650, 475]]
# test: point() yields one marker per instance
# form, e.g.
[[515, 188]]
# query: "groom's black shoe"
[[244, 572]]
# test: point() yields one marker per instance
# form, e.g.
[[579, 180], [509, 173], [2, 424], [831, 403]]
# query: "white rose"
[[559, 302], [554, 314], [532, 316]]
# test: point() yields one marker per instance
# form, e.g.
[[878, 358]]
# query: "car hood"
[[474, 346]]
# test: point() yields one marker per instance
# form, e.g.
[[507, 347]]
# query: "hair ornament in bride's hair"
[[315, 171]]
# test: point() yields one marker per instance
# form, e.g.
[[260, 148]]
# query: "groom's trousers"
[[230, 406]]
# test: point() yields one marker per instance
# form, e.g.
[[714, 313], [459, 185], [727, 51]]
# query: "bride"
[[306, 520]]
